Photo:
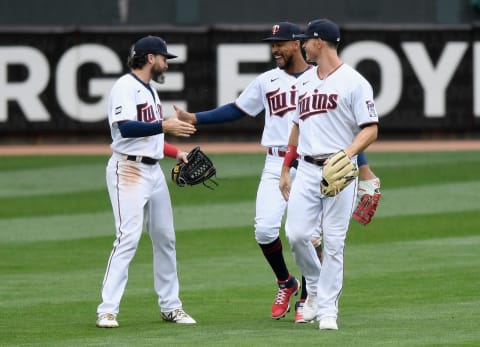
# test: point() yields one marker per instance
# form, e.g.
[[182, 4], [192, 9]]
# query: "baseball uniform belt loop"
[[144, 160], [276, 152], [315, 161]]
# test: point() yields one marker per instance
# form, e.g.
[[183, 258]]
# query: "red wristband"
[[170, 150], [290, 156]]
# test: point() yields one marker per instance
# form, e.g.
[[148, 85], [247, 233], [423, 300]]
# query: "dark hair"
[[332, 44], [136, 61]]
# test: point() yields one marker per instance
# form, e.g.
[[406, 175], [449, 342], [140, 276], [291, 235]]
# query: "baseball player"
[[335, 112], [136, 184], [275, 92]]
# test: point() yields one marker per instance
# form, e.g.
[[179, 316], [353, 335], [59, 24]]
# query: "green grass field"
[[412, 277]]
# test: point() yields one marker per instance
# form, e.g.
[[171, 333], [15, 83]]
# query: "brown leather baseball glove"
[[338, 172]]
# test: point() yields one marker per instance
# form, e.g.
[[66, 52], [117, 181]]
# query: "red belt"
[[276, 153]]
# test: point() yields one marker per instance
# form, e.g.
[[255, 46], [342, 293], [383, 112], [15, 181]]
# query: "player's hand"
[[182, 157], [285, 183], [184, 115], [174, 126]]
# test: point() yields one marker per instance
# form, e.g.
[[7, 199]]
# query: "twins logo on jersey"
[[146, 113], [280, 103], [316, 103]]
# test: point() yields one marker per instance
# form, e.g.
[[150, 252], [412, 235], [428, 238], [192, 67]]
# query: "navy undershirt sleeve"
[[362, 159], [222, 114], [133, 128]]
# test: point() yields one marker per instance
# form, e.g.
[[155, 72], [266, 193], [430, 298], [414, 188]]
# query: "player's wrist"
[[290, 156], [170, 150]]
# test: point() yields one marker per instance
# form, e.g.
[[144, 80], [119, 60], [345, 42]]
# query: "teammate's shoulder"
[[272, 73], [308, 75], [309, 72], [125, 79], [355, 76], [350, 70]]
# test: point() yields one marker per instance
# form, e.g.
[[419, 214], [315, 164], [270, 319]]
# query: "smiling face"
[[310, 46], [283, 52]]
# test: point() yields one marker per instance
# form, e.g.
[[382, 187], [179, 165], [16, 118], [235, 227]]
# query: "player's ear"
[[151, 58]]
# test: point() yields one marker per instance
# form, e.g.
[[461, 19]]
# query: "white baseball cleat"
[[310, 308], [178, 316], [328, 323], [107, 320]]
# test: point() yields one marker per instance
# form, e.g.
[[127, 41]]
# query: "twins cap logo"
[[275, 29]]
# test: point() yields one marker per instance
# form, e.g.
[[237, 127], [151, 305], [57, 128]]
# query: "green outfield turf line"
[[72, 218], [37, 162], [53, 180]]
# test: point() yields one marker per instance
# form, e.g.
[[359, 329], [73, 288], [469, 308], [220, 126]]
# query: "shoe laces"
[[179, 314], [108, 316], [281, 296]]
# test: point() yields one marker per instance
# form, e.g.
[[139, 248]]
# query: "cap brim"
[[276, 38], [170, 55], [300, 37]]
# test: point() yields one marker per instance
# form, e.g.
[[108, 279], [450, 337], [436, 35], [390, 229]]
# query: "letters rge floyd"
[[422, 79]]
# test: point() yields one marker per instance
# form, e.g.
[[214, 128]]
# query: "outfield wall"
[[55, 81]]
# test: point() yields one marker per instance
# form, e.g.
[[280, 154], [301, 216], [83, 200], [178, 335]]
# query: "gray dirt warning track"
[[240, 147]]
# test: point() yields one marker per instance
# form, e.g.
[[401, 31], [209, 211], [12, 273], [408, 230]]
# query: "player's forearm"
[[170, 150], [291, 154], [222, 114], [364, 138], [294, 133], [131, 129]]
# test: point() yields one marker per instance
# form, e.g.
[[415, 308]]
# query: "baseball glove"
[[338, 172], [367, 200], [199, 169]]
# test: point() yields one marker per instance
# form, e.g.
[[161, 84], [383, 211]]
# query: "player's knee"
[[265, 235], [334, 247], [294, 237]]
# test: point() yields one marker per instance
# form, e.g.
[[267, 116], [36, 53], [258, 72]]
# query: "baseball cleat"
[[178, 316], [107, 320], [299, 312], [286, 289], [310, 308], [328, 323]]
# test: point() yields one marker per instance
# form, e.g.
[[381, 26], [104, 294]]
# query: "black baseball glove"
[[199, 169]]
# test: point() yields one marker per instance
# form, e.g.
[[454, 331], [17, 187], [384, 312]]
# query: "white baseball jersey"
[[276, 92], [329, 120], [132, 99], [330, 113]]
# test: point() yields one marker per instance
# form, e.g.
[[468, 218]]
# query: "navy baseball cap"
[[283, 31], [323, 29], [151, 45]]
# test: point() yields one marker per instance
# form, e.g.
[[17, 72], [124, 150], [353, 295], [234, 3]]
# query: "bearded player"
[[136, 184]]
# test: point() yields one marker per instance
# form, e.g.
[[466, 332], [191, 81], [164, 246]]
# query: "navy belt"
[[315, 161], [144, 160]]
